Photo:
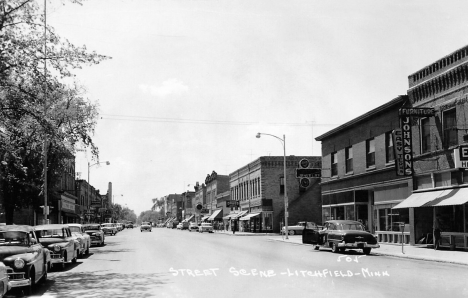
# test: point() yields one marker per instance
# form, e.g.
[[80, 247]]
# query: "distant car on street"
[[205, 227], [84, 239], [296, 229], [95, 232], [129, 226], [109, 228], [145, 226], [193, 227]]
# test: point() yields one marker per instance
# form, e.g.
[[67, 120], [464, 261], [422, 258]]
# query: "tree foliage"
[[122, 214], [42, 110]]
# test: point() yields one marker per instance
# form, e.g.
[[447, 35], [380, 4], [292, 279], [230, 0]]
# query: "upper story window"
[[450, 128], [389, 153], [349, 159], [425, 131], [334, 164], [370, 153]]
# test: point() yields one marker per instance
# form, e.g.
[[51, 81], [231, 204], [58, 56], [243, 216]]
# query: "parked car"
[[95, 233], [185, 225], [145, 226], [340, 235], [296, 229], [205, 227], [193, 227], [120, 226], [84, 239], [109, 228], [4, 285], [129, 225], [25, 260], [58, 239], [179, 226]]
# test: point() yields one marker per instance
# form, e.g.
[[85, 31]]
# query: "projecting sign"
[[406, 157], [417, 112], [308, 173], [461, 157]]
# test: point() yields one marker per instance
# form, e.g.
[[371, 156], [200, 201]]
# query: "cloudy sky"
[[191, 82]]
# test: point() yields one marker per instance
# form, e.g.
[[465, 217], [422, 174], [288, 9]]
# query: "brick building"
[[258, 190], [359, 180], [440, 182], [199, 202], [215, 184]]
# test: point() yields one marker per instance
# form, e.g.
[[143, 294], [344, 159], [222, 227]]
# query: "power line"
[[200, 121]]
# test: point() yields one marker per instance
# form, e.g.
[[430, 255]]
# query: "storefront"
[[231, 221], [67, 209], [350, 205], [450, 204]]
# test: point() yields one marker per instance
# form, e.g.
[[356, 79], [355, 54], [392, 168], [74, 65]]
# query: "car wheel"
[[291, 232], [366, 250], [316, 247], [335, 248], [75, 258], [87, 251]]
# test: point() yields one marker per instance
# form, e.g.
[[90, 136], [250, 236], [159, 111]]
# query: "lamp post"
[[89, 194], [283, 142]]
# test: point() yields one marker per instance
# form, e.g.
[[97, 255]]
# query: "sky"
[[191, 82]]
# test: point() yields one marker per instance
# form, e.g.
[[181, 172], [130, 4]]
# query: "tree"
[[42, 111]]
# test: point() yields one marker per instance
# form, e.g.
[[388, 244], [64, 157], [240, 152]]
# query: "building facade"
[[258, 190], [359, 179], [439, 141]]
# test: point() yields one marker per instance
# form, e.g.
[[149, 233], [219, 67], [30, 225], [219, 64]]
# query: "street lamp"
[[283, 142], [89, 166]]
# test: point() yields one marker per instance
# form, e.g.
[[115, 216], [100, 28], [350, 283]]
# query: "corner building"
[[258, 189], [359, 180]]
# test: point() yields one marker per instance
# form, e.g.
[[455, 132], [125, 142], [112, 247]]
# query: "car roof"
[[51, 226], [75, 225], [343, 221], [20, 228]]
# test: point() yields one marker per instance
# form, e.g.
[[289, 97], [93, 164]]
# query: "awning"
[[249, 216], [230, 215], [205, 217], [446, 197], [237, 215], [217, 214], [69, 214], [188, 219]]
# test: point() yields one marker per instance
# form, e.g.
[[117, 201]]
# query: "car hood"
[[7, 251], [48, 241]]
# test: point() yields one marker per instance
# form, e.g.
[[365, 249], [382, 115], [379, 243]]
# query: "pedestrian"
[[437, 230]]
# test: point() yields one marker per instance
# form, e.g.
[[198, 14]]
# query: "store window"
[[389, 219], [334, 164], [389, 153], [281, 185], [450, 128], [370, 153], [349, 159], [267, 221], [425, 131], [349, 210]]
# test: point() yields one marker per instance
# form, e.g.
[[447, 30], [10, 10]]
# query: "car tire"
[[316, 247], [291, 232], [87, 251], [335, 248], [366, 250], [76, 257]]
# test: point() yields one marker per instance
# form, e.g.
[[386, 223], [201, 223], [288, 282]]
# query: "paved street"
[[173, 263]]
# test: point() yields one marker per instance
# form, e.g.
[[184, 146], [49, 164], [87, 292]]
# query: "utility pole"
[[46, 207]]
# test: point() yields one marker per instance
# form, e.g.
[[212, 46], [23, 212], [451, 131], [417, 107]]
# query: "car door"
[[310, 234], [70, 245]]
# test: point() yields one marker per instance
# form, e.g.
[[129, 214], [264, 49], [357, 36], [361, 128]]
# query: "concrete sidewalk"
[[419, 252]]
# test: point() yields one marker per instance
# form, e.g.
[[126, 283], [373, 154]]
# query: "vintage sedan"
[[145, 226], [109, 228], [193, 227], [27, 261], [205, 227], [295, 229], [95, 233], [82, 237], [59, 240], [340, 235]]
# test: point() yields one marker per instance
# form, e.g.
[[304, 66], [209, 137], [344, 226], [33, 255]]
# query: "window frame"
[[370, 155], [450, 133], [389, 150], [349, 160], [334, 164]]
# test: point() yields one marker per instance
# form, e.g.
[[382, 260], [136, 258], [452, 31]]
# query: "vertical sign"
[[407, 145], [461, 157], [398, 149]]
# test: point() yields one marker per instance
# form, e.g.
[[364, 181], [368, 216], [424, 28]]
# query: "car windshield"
[[92, 227], [14, 238], [52, 233], [75, 229], [350, 227]]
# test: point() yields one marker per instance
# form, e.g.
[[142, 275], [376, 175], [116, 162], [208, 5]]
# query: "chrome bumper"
[[358, 245], [56, 258], [19, 283]]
